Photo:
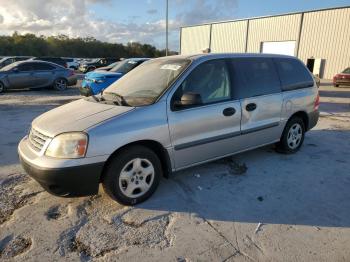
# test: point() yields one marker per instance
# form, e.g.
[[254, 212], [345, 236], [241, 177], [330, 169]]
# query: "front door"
[[212, 128]]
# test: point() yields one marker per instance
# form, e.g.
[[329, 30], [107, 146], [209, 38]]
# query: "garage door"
[[282, 48]]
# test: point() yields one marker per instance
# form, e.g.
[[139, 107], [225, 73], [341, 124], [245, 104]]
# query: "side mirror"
[[188, 100]]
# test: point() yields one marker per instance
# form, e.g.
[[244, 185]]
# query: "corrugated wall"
[[194, 39], [276, 28], [326, 34], [229, 37]]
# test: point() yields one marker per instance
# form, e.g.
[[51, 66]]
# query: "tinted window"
[[293, 74], [254, 77], [126, 66], [210, 80], [346, 71], [42, 66], [25, 67]]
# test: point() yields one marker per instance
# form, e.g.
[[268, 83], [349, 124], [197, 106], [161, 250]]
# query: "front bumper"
[[85, 91], [66, 181]]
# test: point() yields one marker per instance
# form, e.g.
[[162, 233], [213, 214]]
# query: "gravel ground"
[[255, 206]]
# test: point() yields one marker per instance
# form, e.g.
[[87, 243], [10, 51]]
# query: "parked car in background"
[[7, 60], [95, 81], [100, 62], [56, 60], [169, 114], [72, 63], [35, 74], [109, 67], [342, 78]]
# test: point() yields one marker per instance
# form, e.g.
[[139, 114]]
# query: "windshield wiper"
[[117, 99]]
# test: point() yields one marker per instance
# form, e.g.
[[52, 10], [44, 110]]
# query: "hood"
[[102, 75], [76, 116]]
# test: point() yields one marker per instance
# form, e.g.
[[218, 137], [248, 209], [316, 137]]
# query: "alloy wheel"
[[136, 177], [294, 136], [61, 84]]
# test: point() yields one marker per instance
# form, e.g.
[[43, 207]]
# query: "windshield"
[[125, 66], [144, 84]]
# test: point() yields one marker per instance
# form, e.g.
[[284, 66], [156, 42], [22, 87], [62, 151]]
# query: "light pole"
[[166, 27]]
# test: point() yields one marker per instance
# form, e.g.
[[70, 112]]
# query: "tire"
[[2, 87], [336, 85], [292, 137], [60, 84], [133, 175]]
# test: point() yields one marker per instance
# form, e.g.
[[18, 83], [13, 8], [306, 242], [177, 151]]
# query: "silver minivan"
[[166, 115]]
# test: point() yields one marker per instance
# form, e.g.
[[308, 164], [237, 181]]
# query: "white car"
[[72, 63]]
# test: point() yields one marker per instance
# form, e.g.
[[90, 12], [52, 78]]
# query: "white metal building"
[[320, 38]]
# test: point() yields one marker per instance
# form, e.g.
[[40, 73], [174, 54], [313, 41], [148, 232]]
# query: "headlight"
[[98, 81], [68, 145]]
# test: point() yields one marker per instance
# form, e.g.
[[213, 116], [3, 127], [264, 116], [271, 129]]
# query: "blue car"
[[95, 81]]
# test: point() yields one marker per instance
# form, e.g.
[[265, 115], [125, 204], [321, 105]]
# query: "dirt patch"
[[56, 212], [234, 168], [12, 197], [97, 239], [15, 247]]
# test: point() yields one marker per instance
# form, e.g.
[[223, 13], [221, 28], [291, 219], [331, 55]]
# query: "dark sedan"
[[35, 74], [342, 78], [7, 60]]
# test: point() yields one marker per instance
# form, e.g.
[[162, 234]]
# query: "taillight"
[[317, 102], [66, 65]]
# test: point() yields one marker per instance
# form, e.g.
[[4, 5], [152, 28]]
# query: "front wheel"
[[60, 84], [292, 137], [133, 175]]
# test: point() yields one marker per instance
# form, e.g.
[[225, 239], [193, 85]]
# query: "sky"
[[142, 21]]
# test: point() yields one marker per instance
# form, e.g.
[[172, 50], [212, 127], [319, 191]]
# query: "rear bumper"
[[68, 181], [313, 119], [341, 81], [72, 81]]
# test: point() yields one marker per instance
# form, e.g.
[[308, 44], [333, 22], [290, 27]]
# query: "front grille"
[[37, 140]]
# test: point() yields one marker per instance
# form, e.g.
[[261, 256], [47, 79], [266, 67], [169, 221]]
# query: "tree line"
[[63, 46]]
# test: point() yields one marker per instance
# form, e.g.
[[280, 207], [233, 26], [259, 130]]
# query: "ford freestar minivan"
[[169, 114]]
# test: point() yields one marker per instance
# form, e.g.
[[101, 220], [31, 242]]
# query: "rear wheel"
[[292, 137], [133, 175], [2, 87], [60, 84]]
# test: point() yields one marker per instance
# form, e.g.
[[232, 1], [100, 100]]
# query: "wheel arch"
[[155, 146], [304, 116]]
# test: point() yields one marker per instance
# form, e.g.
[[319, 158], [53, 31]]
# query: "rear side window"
[[254, 77], [293, 74], [25, 67], [42, 66]]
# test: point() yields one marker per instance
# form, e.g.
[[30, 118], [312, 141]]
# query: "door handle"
[[250, 107], [230, 111]]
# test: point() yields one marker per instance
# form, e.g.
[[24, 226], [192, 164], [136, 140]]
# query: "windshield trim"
[[173, 82], [170, 85]]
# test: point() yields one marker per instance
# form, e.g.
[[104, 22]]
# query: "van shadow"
[[310, 187]]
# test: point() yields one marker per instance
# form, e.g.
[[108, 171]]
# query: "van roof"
[[226, 55]]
